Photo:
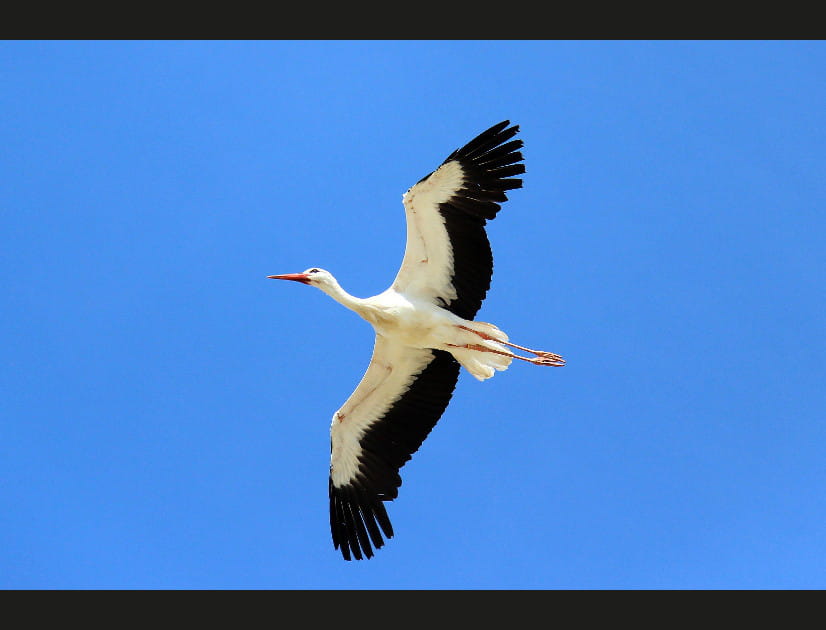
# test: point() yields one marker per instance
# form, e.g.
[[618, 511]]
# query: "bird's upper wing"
[[447, 257], [399, 400]]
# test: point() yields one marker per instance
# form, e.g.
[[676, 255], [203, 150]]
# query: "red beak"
[[303, 278]]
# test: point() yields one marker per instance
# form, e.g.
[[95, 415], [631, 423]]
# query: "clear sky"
[[165, 409]]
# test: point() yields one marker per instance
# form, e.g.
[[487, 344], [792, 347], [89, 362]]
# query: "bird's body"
[[425, 330], [408, 320]]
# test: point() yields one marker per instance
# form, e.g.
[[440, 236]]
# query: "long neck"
[[334, 290]]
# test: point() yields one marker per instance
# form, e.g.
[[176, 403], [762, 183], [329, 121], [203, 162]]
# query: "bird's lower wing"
[[397, 403]]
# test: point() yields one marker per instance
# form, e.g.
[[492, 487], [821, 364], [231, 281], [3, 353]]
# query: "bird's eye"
[[314, 271]]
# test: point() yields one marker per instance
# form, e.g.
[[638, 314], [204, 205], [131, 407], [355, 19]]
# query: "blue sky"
[[165, 409]]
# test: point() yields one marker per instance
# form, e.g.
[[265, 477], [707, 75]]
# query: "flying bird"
[[425, 330]]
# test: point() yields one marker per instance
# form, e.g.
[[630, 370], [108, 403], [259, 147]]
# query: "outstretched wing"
[[447, 257], [397, 403]]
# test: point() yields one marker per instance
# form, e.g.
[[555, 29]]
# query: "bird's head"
[[314, 276]]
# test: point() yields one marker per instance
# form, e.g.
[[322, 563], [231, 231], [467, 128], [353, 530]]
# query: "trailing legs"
[[541, 357]]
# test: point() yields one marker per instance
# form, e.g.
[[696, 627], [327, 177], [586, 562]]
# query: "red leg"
[[551, 358], [539, 360]]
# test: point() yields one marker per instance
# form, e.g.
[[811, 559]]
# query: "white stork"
[[424, 331]]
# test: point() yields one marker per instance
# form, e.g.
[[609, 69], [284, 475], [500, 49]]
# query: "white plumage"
[[425, 330]]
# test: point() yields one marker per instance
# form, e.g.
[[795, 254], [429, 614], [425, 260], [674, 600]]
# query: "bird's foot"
[[547, 358]]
